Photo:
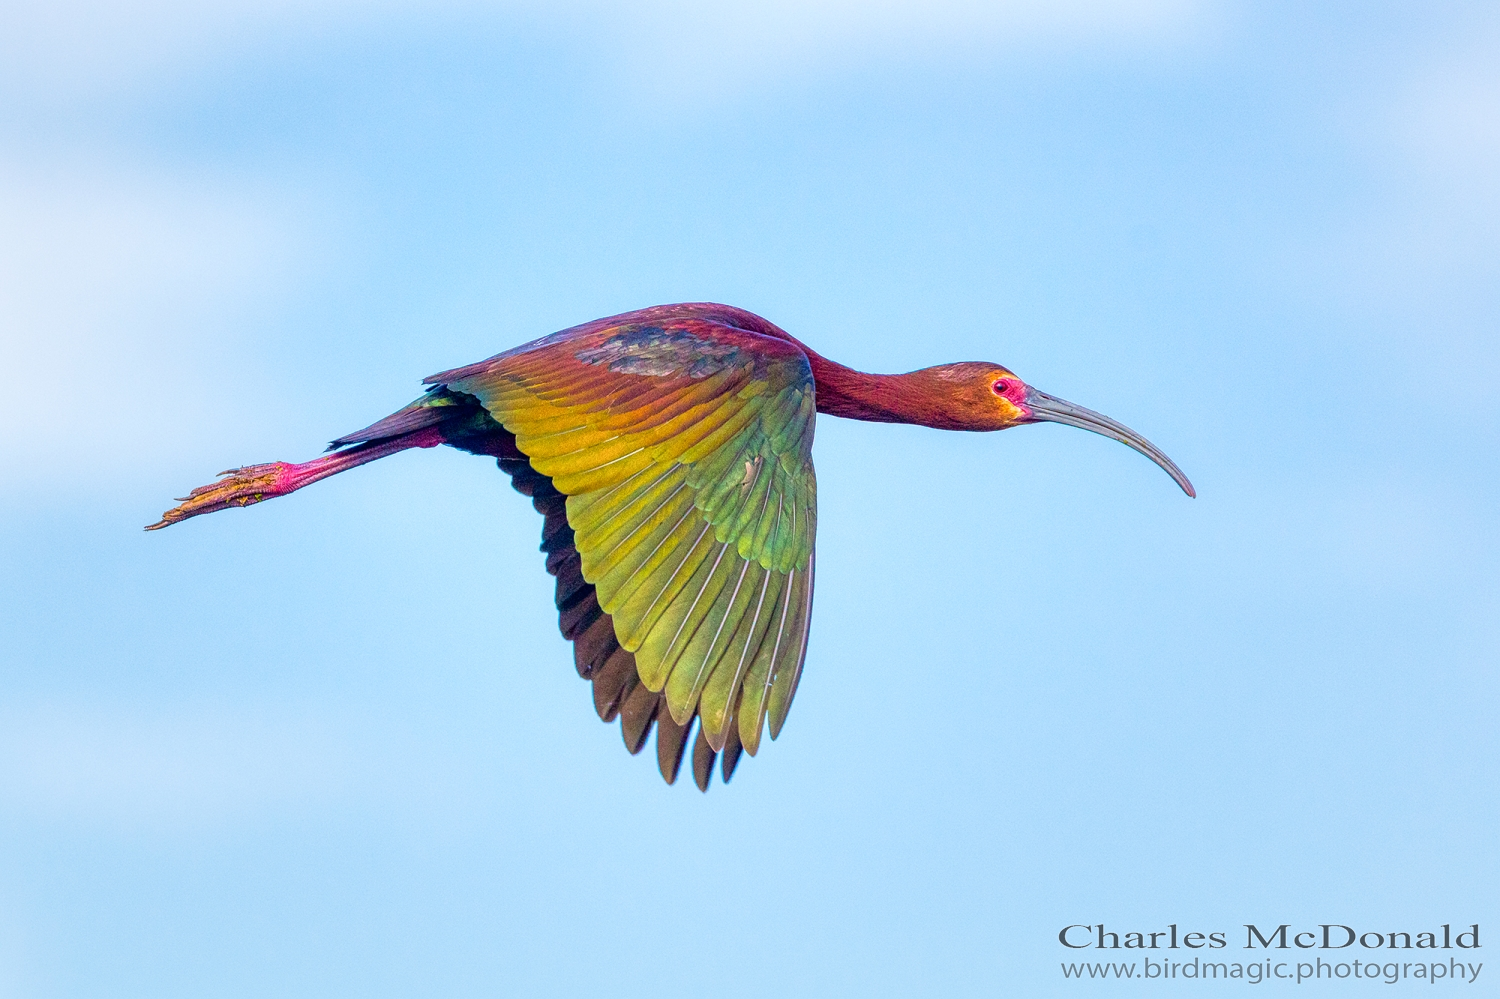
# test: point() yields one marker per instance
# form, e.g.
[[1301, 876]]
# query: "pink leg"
[[254, 483]]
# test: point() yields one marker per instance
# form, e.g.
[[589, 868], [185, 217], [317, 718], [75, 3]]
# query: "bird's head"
[[979, 395]]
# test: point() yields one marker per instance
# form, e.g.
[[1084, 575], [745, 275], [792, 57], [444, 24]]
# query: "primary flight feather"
[[670, 452]]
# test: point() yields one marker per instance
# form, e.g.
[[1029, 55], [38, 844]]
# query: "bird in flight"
[[669, 451]]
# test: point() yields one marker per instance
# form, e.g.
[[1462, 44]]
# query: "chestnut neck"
[[914, 397]]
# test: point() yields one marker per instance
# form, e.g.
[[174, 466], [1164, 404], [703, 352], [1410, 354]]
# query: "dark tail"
[[436, 408]]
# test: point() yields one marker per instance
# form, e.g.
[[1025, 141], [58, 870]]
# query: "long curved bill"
[[1050, 409]]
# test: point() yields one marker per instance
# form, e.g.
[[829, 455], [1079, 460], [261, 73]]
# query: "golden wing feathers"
[[683, 448]]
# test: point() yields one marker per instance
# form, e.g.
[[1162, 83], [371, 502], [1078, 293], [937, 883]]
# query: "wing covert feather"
[[684, 451]]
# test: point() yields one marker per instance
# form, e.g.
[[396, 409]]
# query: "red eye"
[[1000, 387]]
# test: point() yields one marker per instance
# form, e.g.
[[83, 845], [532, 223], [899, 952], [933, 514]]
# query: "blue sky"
[[334, 746]]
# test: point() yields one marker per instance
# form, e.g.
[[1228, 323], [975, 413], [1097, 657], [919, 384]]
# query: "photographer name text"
[[1284, 936]]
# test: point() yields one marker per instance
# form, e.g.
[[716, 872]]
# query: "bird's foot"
[[241, 487], [253, 483]]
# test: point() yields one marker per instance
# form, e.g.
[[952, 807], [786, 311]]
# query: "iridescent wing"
[[683, 450]]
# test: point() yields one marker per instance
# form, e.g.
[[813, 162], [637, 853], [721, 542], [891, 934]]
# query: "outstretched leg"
[[253, 483]]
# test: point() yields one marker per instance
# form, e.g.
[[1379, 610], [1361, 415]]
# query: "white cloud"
[[78, 48], [118, 287], [695, 52], [1448, 122], [165, 771], [1419, 258], [777, 28]]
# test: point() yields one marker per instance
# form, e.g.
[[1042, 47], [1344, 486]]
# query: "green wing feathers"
[[685, 454]]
